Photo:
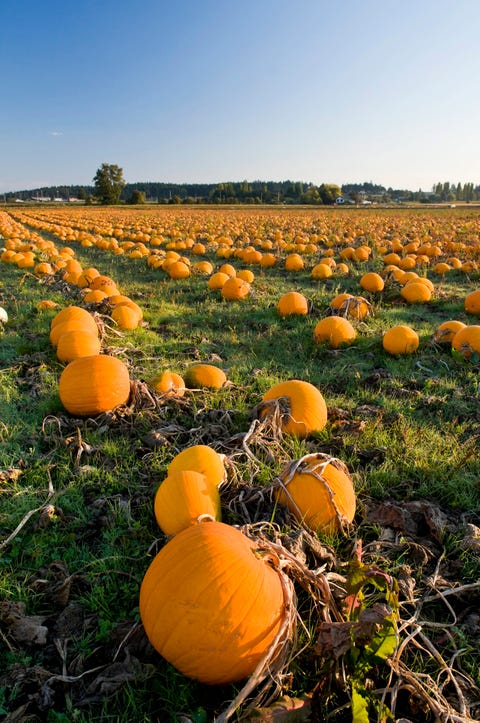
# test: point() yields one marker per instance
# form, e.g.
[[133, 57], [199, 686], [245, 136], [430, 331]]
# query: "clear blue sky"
[[215, 90]]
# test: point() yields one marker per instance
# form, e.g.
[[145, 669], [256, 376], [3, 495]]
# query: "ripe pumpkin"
[[302, 406], [202, 459], [125, 317], [217, 280], [321, 271], [178, 270], [91, 385], [319, 491], [416, 293], [205, 375], [335, 330], [445, 332], [472, 303], [294, 262], [372, 282], [467, 341], [182, 498], [292, 303], [77, 343], [168, 383], [400, 339], [75, 324], [235, 289], [68, 314], [210, 605]]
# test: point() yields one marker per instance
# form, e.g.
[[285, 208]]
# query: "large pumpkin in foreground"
[[94, 384], [210, 604], [302, 406]]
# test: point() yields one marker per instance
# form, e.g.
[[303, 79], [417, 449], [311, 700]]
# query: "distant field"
[[77, 523]]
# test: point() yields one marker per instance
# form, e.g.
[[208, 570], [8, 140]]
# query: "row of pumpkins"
[[212, 602]]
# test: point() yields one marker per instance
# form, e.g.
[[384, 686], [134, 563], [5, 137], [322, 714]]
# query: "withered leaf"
[[284, 710], [10, 475]]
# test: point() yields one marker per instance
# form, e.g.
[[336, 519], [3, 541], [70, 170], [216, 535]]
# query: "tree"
[[138, 196], [109, 183]]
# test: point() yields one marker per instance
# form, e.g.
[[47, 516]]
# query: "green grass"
[[408, 431]]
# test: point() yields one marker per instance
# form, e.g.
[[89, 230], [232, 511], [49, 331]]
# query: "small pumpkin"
[[416, 293], [205, 375], [372, 282], [235, 289], [203, 459], [467, 341], [400, 339], [336, 331], [301, 405], [319, 491], [472, 303], [291, 304], [168, 383], [91, 385], [182, 498], [445, 332], [210, 605]]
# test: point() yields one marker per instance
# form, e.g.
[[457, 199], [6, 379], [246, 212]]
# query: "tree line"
[[109, 187]]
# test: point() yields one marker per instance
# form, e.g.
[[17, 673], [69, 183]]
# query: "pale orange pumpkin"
[[168, 383], [182, 498], [301, 405]]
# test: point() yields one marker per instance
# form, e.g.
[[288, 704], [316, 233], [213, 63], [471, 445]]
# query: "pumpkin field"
[[240, 470]]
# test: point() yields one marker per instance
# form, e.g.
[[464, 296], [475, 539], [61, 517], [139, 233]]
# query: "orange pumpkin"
[[372, 282], [77, 343], [125, 317], [302, 407], [467, 341], [235, 289], [168, 383], [182, 498], [445, 332], [400, 339], [205, 375], [416, 293], [210, 605], [292, 303], [472, 303], [335, 330], [319, 491], [202, 459], [91, 385]]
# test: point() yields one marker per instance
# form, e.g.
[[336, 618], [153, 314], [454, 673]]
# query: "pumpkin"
[[445, 332], [294, 262], [75, 324], [125, 317], [235, 289], [202, 459], [319, 491], [246, 275], [168, 383], [3, 315], [210, 605], [416, 293], [77, 343], [91, 385], [335, 330], [205, 375], [227, 269], [217, 280], [292, 303], [467, 341], [46, 304], [472, 303], [400, 339], [372, 282], [321, 271], [68, 314], [178, 270], [94, 296], [182, 498], [302, 407]]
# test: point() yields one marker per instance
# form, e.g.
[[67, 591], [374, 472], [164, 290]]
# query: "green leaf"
[[359, 707], [385, 641]]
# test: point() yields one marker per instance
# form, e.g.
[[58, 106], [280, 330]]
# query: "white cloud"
[[55, 133]]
